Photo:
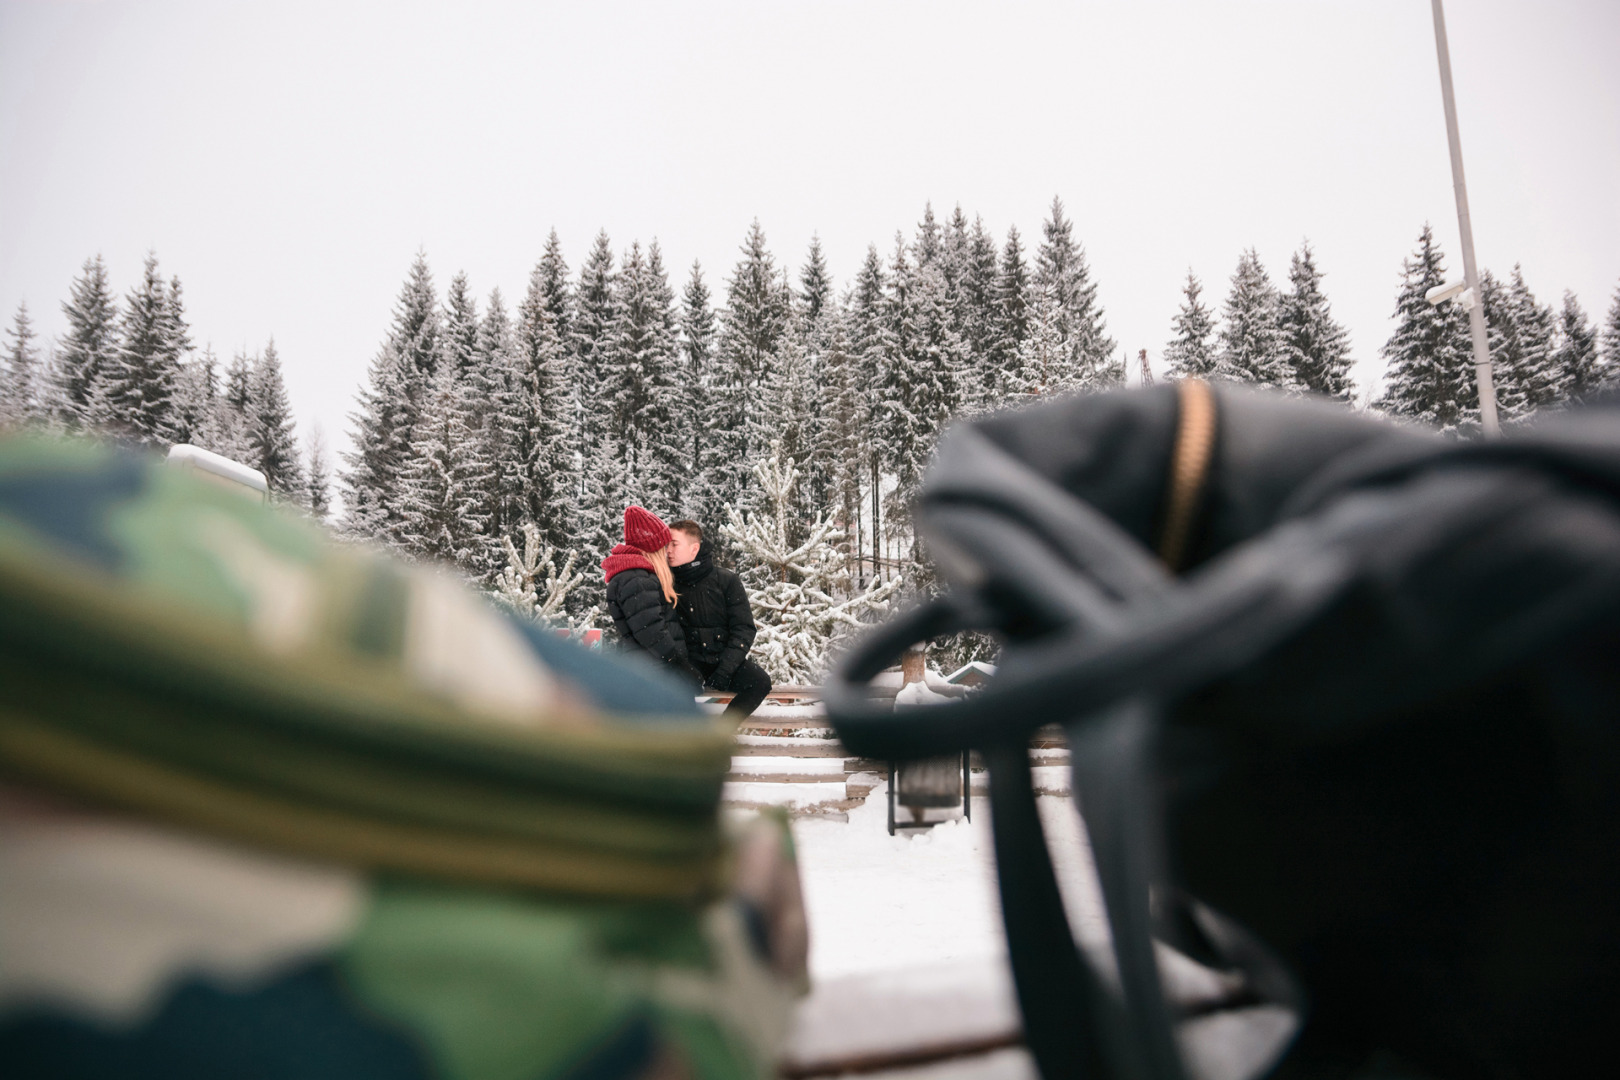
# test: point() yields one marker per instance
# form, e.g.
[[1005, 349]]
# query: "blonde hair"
[[666, 580]]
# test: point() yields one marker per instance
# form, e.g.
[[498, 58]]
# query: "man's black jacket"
[[643, 617], [714, 614]]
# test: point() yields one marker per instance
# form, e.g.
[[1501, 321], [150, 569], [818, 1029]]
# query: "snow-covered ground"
[[881, 903]]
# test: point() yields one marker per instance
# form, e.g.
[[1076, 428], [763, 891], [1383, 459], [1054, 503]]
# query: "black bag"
[[1353, 686]]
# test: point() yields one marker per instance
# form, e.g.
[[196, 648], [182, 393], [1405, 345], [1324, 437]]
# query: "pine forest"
[[792, 417]]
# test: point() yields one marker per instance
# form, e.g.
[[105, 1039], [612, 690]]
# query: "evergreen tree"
[[697, 348], [1086, 358], [491, 381], [1315, 347], [458, 344], [801, 593], [270, 427], [867, 336], [595, 314], [551, 279], [439, 516], [923, 369], [641, 381], [953, 263], [134, 395], [1581, 369], [1431, 373], [318, 490], [389, 407], [846, 435], [752, 324], [202, 416], [976, 317], [418, 323], [239, 384], [1191, 352], [1521, 334], [1251, 338], [929, 245], [91, 343], [538, 477], [1011, 327], [19, 390], [1611, 342], [815, 294]]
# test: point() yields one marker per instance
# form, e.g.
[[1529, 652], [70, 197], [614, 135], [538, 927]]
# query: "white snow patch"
[[763, 793], [878, 902], [770, 764]]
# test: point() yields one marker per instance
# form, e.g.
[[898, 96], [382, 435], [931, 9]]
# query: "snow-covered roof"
[[983, 670], [195, 457]]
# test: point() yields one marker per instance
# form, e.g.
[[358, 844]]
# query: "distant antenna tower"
[[1147, 372]]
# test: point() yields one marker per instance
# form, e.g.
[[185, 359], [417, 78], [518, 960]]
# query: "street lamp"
[[1467, 290]]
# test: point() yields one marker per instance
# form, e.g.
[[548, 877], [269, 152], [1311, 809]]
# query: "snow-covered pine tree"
[[815, 297], [133, 396], [197, 415], [270, 429], [20, 401], [1086, 359], [752, 324], [697, 351], [1430, 367], [976, 317], [953, 263], [458, 340], [800, 589], [389, 406], [1039, 366], [491, 380], [845, 435], [923, 365], [1012, 321], [641, 386], [865, 325], [1191, 352], [531, 584], [439, 516], [90, 345], [930, 243], [1611, 341], [608, 489], [538, 476], [418, 323], [1539, 380], [318, 475], [795, 400], [1251, 341], [595, 313], [1315, 347], [1577, 359]]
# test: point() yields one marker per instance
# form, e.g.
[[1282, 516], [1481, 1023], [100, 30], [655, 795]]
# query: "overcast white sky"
[[286, 160]]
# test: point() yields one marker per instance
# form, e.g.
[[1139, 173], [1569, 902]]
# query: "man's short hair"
[[689, 527]]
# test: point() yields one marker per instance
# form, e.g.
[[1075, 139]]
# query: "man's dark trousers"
[[749, 684]]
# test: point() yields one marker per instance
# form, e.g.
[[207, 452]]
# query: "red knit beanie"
[[642, 529]]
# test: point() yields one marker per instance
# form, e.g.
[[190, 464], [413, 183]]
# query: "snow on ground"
[[879, 903], [755, 793], [768, 764]]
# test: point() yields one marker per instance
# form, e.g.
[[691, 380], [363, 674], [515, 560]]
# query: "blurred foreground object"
[[273, 806], [1341, 699]]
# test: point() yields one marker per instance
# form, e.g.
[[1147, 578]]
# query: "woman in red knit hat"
[[641, 593]]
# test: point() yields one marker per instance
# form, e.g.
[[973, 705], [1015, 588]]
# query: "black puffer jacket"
[[643, 618], [714, 614]]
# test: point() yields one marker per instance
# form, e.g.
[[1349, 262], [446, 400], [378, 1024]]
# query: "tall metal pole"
[[1476, 313]]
